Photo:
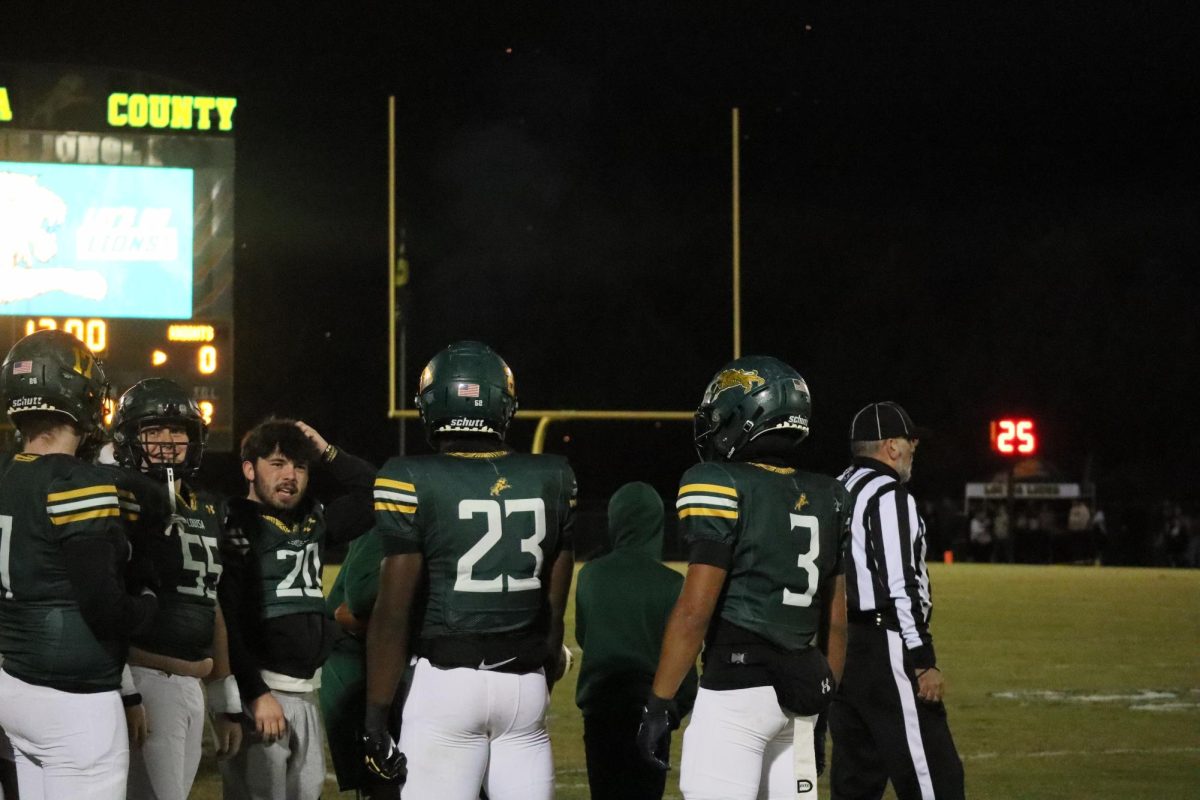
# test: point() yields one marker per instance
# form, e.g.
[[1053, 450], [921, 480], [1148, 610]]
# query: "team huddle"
[[134, 604]]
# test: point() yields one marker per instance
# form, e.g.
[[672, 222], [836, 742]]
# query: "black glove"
[[819, 729], [659, 718], [380, 753]]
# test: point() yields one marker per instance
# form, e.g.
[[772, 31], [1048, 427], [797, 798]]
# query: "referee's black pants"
[[882, 732]]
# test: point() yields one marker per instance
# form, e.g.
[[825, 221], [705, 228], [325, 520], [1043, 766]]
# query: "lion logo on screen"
[[30, 216]]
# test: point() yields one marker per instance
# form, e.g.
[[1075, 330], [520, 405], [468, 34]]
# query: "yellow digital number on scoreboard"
[[92, 332]]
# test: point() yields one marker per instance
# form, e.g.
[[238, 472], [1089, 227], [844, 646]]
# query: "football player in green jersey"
[[274, 606], [764, 591], [65, 613], [486, 533], [159, 433]]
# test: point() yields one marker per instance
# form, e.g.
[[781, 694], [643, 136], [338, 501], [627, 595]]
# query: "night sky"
[[971, 212]]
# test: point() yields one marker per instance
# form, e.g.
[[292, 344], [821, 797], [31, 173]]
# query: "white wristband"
[[221, 696], [127, 685]]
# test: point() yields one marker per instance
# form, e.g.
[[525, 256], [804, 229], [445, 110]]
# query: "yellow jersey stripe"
[[707, 512], [58, 497], [381, 506], [99, 513], [388, 483], [708, 488]]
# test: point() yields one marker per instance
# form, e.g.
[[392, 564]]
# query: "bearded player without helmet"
[[764, 591]]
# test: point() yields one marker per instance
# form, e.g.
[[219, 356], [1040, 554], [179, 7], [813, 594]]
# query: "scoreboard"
[[116, 224]]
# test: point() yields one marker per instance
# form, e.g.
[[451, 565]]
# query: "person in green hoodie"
[[344, 676], [621, 608]]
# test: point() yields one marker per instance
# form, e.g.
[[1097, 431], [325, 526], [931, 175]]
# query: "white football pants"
[[466, 728], [66, 744], [165, 765], [738, 746]]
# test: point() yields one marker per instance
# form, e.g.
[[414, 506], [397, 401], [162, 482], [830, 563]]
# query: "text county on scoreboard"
[[116, 224]]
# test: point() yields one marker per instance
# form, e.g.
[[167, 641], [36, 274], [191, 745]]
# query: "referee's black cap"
[[886, 420]]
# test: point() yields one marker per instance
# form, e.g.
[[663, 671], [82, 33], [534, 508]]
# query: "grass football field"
[[1064, 682]]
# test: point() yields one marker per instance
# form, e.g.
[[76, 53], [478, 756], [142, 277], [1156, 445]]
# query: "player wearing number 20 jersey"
[[271, 594], [765, 574], [487, 533]]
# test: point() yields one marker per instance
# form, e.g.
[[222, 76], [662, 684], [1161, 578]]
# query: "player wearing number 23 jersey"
[[765, 573], [487, 532]]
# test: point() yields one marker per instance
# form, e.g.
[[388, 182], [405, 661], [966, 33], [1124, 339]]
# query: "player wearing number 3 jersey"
[[271, 594], [764, 591], [487, 533]]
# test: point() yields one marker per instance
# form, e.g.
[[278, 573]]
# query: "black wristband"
[[131, 700], [375, 720], [656, 704]]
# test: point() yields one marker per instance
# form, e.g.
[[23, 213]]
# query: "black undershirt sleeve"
[[92, 571], [230, 592], [349, 512], [714, 554]]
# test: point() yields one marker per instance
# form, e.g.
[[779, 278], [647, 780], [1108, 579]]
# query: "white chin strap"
[[171, 488]]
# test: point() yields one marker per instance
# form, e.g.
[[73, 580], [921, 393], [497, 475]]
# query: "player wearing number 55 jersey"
[[65, 615], [764, 590], [159, 436], [271, 594], [487, 532]]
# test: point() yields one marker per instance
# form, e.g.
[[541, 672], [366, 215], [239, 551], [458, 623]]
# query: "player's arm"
[[560, 586], [389, 628], [86, 515], [348, 512], [833, 633], [221, 694], [234, 593], [686, 627], [388, 635]]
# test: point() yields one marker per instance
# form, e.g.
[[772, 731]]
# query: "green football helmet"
[[155, 402], [466, 388], [54, 371], [750, 396]]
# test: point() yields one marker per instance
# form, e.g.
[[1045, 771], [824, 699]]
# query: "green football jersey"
[[285, 558], [44, 502], [184, 549], [783, 530], [489, 525]]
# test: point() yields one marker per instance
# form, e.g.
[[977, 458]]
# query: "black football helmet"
[[150, 403], [54, 371], [750, 396], [466, 388]]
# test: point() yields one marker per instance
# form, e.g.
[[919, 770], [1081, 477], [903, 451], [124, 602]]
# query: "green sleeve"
[[361, 572]]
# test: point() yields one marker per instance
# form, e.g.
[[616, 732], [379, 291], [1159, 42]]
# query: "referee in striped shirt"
[[887, 720]]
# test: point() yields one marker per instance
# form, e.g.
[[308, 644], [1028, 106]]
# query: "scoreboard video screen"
[[116, 225]]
